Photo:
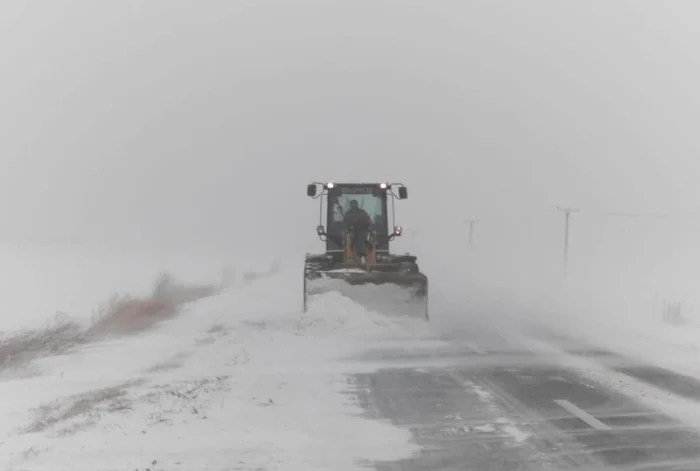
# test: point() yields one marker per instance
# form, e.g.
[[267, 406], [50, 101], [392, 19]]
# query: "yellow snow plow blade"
[[394, 293]]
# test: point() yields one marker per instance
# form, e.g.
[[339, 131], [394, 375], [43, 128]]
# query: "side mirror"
[[403, 192], [311, 190]]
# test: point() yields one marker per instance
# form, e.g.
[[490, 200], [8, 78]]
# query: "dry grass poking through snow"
[[17, 349], [126, 314], [67, 416], [121, 315]]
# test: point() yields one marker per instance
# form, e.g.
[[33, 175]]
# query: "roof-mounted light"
[[330, 185], [383, 186]]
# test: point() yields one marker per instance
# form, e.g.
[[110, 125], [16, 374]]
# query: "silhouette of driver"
[[357, 217], [359, 221]]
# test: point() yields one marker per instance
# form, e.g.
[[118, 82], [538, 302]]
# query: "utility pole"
[[471, 222], [567, 213]]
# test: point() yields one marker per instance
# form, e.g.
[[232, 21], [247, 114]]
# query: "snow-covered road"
[[513, 402]]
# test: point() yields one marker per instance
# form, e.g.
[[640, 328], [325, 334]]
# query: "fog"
[[197, 125]]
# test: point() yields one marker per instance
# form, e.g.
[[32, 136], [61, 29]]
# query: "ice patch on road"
[[484, 394], [501, 427], [519, 436]]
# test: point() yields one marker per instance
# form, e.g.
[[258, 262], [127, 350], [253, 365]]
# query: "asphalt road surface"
[[484, 404]]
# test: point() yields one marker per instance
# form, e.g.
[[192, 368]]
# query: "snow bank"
[[238, 381]]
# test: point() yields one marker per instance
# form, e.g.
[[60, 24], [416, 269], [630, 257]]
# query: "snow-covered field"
[[240, 380]]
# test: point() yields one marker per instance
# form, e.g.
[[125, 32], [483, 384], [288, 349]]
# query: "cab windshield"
[[340, 204]]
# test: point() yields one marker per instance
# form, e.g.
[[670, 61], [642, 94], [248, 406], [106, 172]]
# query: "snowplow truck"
[[357, 262]]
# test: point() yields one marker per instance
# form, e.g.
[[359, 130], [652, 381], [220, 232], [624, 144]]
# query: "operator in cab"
[[357, 217], [360, 222]]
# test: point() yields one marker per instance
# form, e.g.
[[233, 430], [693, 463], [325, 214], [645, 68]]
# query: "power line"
[[472, 223], [567, 213]]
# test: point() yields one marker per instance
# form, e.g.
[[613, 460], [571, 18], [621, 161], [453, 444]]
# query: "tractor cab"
[[357, 217]]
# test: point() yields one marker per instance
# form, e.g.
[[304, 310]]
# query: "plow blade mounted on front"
[[386, 292]]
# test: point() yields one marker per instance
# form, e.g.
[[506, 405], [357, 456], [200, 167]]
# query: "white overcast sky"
[[201, 122]]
